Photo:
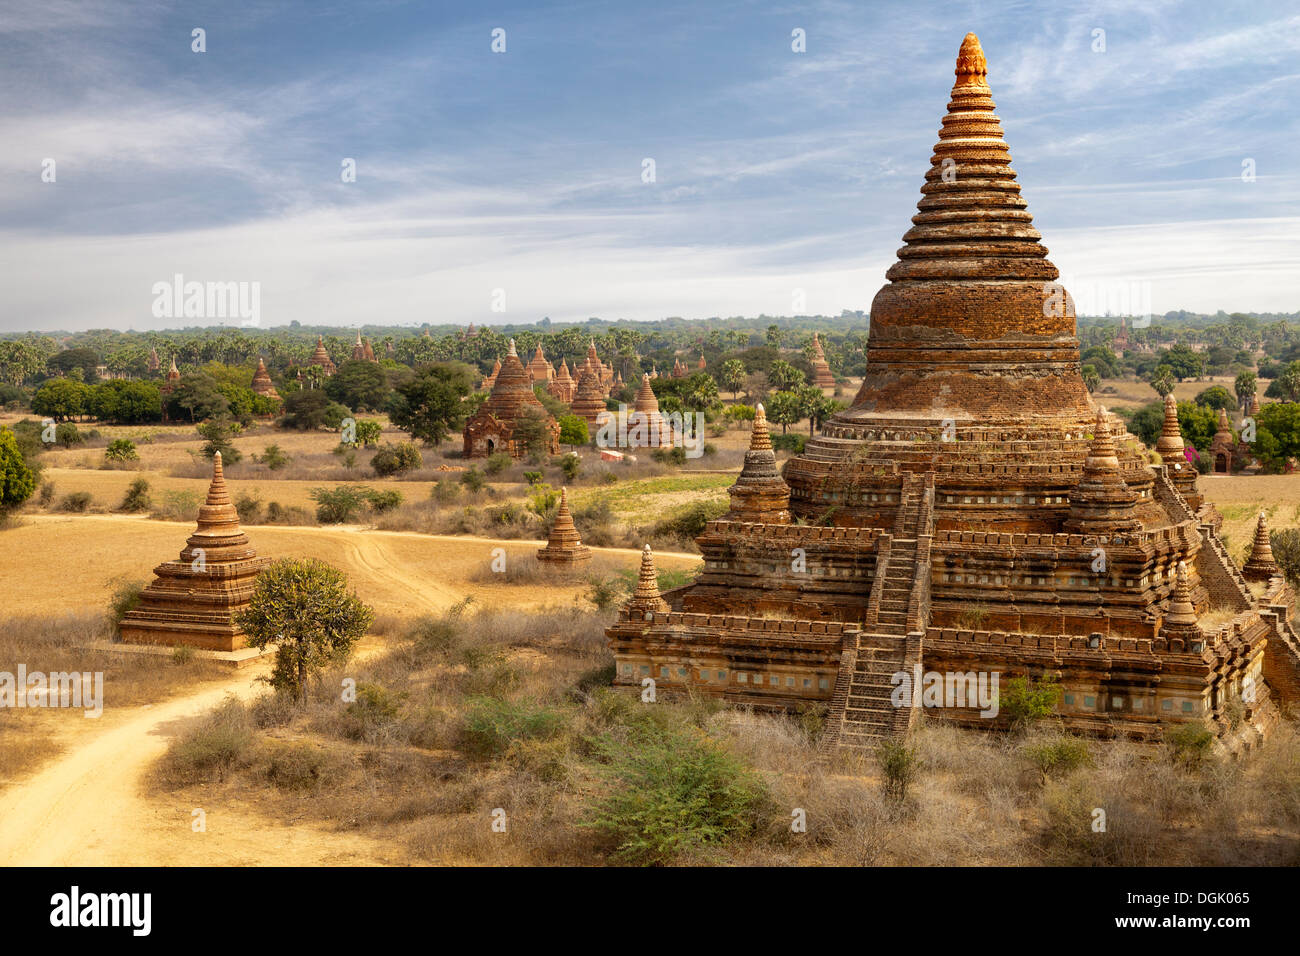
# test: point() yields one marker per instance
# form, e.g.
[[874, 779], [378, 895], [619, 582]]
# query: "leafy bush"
[[571, 466], [689, 522], [445, 491], [473, 480], [791, 442], [382, 501], [1189, 744], [396, 459], [1058, 756], [67, 435], [1025, 701], [374, 709], [497, 463], [125, 597], [339, 505], [248, 508], [137, 497], [669, 793], [491, 725], [178, 506], [274, 458], [121, 449], [898, 768], [297, 765], [76, 502]]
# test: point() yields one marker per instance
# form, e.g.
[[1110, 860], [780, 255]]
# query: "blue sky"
[[775, 171]]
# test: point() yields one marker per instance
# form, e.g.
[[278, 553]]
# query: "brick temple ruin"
[[972, 512], [491, 428]]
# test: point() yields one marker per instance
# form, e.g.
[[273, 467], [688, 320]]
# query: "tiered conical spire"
[[564, 546], [1101, 503], [322, 358], [173, 373], [760, 494], [646, 426], [972, 289], [1261, 565], [972, 222], [1181, 616], [647, 600], [822, 376]]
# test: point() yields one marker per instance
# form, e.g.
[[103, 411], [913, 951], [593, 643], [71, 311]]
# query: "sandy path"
[[86, 809]]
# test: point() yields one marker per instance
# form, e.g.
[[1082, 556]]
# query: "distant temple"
[[563, 386], [262, 384], [193, 600], [822, 376], [322, 358], [564, 548], [539, 368], [972, 513], [493, 427]]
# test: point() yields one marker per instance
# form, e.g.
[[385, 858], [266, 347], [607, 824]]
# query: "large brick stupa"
[[973, 513]]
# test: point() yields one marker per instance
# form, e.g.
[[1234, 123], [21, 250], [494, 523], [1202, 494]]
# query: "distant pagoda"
[[262, 384], [492, 427], [322, 358], [563, 387], [822, 376], [193, 600], [588, 398]]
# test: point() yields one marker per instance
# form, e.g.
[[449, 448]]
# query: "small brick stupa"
[[564, 547], [322, 358], [588, 398], [491, 378], [646, 601], [760, 494], [193, 600], [1261, 565], [1223, 446], [646, 427], [153, 362], [492, 427], [822, 376], [1173, 452], [262, 384]]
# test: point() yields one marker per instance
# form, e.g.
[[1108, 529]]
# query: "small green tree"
[[304, 607], [785, 409], [274, 458], [17, 482], [396, 459], [898, 768], [573, 430], [219, 433], [733, 376], [1163, 381], [122, 449]]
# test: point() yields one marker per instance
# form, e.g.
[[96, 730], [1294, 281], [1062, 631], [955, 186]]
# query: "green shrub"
[[491, 725], [338, 505], [374, 709], [1058, 756], [48, 491], [178, 506], [445, 491], [497, 463], [78, 502], [1189, 744], [791, 442], [274, 458], [898, 768], [125, 597], [473, 480], [571, 466], [182, 654], [67, 435], [121, 449], [669, 793], [248, 508], [532, 477], [382, 501], [605, 592], [396, 459], [689, 522], [1026, 701], [137, 497]]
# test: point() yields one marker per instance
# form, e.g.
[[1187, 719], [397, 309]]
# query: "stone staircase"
[[861, 713]]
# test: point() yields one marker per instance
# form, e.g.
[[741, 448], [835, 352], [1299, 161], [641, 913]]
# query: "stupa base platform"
[[243, 657]]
